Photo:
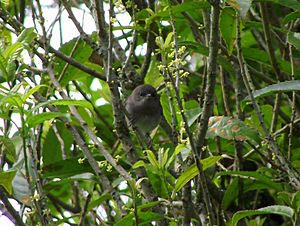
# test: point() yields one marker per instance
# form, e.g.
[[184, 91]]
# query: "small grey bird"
[[144, 109]]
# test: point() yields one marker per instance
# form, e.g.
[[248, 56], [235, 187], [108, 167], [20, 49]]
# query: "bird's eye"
[[142, 94]]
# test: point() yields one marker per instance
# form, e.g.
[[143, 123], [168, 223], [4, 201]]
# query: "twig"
[[294, 177], [293, 114]]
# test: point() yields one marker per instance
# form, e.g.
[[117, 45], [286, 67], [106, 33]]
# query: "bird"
[[144, 108]]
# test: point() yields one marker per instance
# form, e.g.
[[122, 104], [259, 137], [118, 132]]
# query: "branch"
[[16, 219]]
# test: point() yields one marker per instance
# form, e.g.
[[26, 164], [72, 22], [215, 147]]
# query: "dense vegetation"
[[227, 151]]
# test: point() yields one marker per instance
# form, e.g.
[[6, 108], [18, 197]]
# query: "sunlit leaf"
[[32, 91], [6, 179], [152, 159], [34, 120], [62, 102], [193, 171]]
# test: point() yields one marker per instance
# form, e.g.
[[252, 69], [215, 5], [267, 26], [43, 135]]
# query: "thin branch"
[[76, 64], [13, 213], [294, 176], [87, 129]]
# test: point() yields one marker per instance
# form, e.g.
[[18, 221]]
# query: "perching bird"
[[144, 109]]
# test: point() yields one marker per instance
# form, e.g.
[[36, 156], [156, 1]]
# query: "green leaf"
[[172, 158], [228, 27], [82, 54], [78, 103], [6, 179], [104, 132], [3, 64], [51, 149], [254, 176], [293, 4], [32, 91], [164, 100], [290, 17], [193, 171], [296, 201], [94, 204], [13, 100], [162, 156], [138, 164], [152, 158], [231, 193], [192, 115], [157, 180], [145, 218], [27, 36], [294, 39], [8, 148], [72, 166], [276, 209], [11, 70], [13, 51], [287, 86], [34, 120], [231, 129], [153, 76], [66, 168], [177, 11], [197, 47], [168, 40], [262, 57], [148, 205]]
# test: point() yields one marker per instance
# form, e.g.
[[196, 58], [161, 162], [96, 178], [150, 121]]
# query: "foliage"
[[227, 151]]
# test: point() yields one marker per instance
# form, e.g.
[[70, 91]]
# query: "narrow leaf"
[[193, 171], [293, 4], [276, 209], [79, 103], [34, 120], [287, 86], [255, 176], [152, 158], [231, 193], [290, 17], [32, 91]]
